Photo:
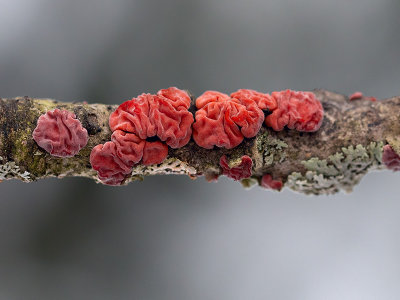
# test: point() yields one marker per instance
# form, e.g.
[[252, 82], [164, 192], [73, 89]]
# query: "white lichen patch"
[[341, 171], [168, 166], [9, 170]]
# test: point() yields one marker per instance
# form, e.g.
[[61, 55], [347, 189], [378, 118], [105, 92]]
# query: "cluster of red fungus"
[[143, 128]]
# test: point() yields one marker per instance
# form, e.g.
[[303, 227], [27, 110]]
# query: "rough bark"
[[348, 144]]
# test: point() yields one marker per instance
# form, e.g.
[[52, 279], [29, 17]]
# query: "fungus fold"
[[60, 133]]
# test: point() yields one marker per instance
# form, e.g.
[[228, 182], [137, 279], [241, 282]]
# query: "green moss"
[[340, 171]]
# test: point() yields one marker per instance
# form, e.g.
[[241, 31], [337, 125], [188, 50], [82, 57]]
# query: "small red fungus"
[[60, 133], [223, 121], [390, 158], [359, 95], [269, 183], [243, 170], [296, 110], [356, 96], [110, 168]]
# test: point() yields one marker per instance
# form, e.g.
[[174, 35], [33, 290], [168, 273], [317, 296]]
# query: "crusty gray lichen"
[[341, 171], [10, 170], [168, 166]]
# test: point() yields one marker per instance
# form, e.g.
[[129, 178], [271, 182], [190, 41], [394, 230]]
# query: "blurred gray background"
[[170, 237]]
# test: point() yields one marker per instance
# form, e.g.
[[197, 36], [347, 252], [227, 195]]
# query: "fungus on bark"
[[110, 168], [390, 158], [60, 133], [223, 121], [359, 95], [238, 171], [144, 126], [269, 183], [297, 110]]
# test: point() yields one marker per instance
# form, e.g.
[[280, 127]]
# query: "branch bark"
[[348, 145]]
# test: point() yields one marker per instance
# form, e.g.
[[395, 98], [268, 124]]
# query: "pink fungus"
[[223, 121], [359, 95], [142, 129], [110, 168], [356, 96], [269, 183], [154, 153], [390, 158], [164, 115], [243, 170], [60, 133], [264, 101], [296, 110]]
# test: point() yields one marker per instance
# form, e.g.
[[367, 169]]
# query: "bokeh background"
[[170, 237]]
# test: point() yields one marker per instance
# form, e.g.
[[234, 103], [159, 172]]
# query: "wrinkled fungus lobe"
[[269, 183], [142, 129], [297, 110], [243, 170], [60, 133], [390, 158], [223, 121]]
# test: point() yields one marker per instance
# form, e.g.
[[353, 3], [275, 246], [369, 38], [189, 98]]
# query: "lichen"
[[271, 149], [9, 170], [341, 171], [168, 166], [249, 183]]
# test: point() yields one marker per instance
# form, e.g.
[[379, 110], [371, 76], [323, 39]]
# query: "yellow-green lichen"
[[249, 183], [271, 149], [341, 171]]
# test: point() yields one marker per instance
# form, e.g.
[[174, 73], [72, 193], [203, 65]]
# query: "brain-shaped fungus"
[[390, 158], [110, 168], [223, 121], [269, 183], [240, 171], [135, 125], [296, 110], [60, 133], [164, 115]]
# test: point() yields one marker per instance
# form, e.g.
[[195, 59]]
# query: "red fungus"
[[110, 168], [264, 101], [296, 110], [154, 153], [60, 133], [269, 183], [129, 147], [356, 96], [135, 124], [359, 95], [390, 158], [164, 115], [223, 121], [243, 170]]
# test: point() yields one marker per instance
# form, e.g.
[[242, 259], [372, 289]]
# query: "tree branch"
[[348, 145]]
